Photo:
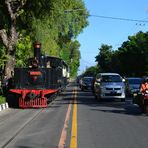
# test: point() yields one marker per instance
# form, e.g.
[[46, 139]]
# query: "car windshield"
[[134, 81], [87, 80], [111, 78]]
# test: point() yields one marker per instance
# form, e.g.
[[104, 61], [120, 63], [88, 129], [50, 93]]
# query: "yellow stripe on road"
[[73, 142]]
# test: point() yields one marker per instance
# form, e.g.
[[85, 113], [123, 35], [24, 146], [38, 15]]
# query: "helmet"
[[145, 79]]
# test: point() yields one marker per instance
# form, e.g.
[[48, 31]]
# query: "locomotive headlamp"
[[35, 73]]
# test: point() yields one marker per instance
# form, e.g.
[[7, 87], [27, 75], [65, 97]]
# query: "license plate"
[[113, 92]]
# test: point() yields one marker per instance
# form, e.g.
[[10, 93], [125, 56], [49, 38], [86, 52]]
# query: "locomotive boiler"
[[44, 76]]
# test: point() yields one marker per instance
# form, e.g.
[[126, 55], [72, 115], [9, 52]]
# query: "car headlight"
[[134, 94]]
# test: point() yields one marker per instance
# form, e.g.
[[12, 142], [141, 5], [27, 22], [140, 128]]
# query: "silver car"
[[109, 85]]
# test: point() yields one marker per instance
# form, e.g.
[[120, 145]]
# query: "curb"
[[3, 106]]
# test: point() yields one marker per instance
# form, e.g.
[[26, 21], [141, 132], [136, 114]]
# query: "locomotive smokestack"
[[37, 51]]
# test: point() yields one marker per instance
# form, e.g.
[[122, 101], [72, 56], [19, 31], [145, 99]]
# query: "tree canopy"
[[104, 58], [55, 23], [130, 59]]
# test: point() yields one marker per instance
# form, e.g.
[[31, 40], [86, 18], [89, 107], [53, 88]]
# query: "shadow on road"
[[109, 106]]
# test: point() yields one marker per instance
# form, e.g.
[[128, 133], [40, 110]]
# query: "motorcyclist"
[[138, 99], [144, 85]]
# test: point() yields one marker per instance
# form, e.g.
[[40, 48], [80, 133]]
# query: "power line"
[[106, 17], [118, 18]]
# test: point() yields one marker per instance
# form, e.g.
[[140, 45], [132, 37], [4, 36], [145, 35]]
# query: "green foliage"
[[48, 22], [104, 58], [2, 99], [130, 59], [56, 28], [23, 50], [91, 71], [133, 55], [46, 35], [71, 54]]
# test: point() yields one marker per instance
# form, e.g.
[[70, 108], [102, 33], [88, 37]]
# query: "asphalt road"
[[75, 120]]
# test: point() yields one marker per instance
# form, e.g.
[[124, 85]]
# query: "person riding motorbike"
[[140, 99], [144, 86]]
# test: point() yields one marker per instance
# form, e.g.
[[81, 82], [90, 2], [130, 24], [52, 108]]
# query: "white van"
[[109, 85]]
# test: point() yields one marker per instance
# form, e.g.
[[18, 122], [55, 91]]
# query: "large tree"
[[44, 20], [130, 59], [133, 55], [104, 58], [9, 12], [92, 71]]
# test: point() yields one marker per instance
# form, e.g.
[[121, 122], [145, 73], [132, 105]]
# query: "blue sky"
[[109, 31]]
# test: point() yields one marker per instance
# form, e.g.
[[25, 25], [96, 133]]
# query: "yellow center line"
[[73, 142]]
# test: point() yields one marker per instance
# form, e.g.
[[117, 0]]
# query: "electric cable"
[[118, 18]]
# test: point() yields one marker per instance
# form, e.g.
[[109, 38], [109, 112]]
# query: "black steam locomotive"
[[44, 76]]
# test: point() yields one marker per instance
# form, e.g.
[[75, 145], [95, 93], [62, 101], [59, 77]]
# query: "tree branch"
[[12, 15], [4, 37], [22, 3], [14, 10]]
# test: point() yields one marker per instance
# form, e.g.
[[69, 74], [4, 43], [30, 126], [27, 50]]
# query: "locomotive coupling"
[[32, 95]]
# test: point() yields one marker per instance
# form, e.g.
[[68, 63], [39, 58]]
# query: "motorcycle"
[[141, 99]]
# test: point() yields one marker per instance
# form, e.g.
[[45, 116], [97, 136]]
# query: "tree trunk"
[[9, 67], [10, 51], [11, 38]]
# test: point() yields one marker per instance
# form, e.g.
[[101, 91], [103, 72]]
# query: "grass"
[[2, 99]]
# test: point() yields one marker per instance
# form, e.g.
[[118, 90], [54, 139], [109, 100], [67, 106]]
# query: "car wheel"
[[82, 88], [95, 94], [98, 97]]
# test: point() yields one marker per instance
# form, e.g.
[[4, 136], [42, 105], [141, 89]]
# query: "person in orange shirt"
[[139, 99], [144, 85]]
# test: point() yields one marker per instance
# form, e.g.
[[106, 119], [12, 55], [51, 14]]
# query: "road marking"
[[73, 142], [64, 131]]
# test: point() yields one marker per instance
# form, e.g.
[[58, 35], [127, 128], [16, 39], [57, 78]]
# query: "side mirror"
[[98, 80]]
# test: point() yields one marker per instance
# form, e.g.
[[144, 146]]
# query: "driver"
[[144, 85]]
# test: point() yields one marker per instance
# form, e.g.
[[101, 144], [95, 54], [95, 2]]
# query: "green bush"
[[2, 99]]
